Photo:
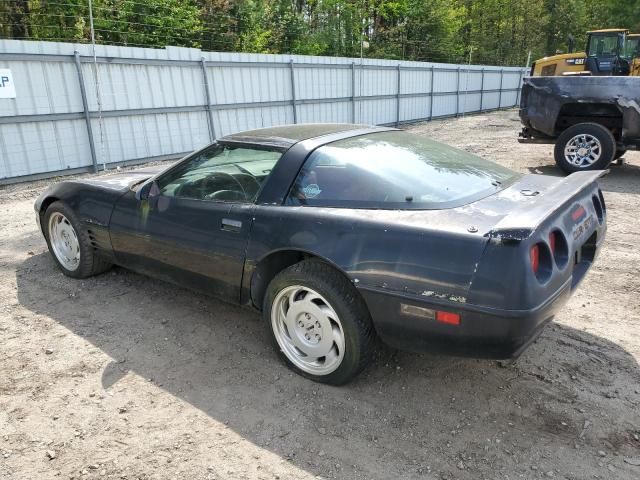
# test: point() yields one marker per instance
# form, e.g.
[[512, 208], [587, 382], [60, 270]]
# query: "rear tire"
[[319, 324], [69, 243], [585, 146]]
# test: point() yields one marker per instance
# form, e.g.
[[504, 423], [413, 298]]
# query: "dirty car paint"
[[472, 258], [543, 98]]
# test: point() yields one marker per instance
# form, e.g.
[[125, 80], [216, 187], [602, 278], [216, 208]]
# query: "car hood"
[[125, 180], [118, 183]]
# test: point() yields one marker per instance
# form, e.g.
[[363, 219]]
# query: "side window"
[[220, 173], [330, 176]]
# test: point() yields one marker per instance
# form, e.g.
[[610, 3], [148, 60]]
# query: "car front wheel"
[[70, 244], [318, 322], [585, 146]]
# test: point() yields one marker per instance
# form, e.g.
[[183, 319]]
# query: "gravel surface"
[[120, 376]]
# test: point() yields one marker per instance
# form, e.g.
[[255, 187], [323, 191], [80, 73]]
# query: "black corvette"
[[341, 233]]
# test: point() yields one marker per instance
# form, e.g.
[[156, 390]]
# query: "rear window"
[[395, 170]]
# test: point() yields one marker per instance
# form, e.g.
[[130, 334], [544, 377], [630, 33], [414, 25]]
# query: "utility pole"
[[97, 84], [466, 82], [528, 59]]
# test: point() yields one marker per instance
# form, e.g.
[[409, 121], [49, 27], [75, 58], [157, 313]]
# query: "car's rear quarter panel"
[[376, 249]]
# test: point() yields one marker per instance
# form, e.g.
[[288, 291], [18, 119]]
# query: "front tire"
[[70, 244], [585, 146], [319, 324]]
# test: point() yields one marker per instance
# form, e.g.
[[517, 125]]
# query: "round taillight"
[[559, 248], [534, 256], [540, 261]]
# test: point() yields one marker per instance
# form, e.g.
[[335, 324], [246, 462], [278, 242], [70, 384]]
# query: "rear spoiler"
[[522, 222]]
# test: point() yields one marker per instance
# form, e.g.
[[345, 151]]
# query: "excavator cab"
[[632, 53], [606, 52], [632, 46]]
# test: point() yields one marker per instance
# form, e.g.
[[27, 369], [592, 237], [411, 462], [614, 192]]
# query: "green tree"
[[483, 31]]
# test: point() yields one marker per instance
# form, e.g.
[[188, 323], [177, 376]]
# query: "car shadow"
[[623, 178], [411, 414]]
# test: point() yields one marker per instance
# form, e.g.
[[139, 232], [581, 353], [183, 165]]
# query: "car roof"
[[285, 136]]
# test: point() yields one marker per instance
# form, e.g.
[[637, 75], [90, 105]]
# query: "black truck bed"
[[549, 105]]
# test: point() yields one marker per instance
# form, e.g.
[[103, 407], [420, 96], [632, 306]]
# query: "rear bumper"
[[482, 333]]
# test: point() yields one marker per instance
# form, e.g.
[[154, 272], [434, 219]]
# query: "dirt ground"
[[124, 377]]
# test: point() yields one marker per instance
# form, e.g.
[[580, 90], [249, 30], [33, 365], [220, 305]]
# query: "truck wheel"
[[318, 322], [585, 146]]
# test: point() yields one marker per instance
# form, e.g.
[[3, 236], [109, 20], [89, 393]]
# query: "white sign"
[[7, 87]]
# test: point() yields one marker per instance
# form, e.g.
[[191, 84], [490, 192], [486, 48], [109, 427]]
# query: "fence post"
[[457, 91], [212, 130], [87, 116], [293, 91], [431, 96], [353, 92], [500, 92], [522, 72], [398, 99], [482, 90]]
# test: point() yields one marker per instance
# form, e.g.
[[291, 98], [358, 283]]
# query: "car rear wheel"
[[70, 244], [318, 322], [585, 146]]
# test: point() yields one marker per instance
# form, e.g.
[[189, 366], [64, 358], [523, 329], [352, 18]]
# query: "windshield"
[[395, 170], [220, 173], [632, 48], [604, 45]]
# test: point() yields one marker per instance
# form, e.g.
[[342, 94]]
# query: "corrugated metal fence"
[[75, 112]]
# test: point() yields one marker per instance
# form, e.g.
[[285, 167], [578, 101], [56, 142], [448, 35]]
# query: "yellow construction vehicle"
[[632, 53], [609, 52]]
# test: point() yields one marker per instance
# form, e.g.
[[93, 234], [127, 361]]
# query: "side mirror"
[[147, 190]]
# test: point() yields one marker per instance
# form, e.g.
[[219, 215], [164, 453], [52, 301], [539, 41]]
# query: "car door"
[[193, 227]]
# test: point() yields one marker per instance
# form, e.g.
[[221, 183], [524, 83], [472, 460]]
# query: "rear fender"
[[374, 251]]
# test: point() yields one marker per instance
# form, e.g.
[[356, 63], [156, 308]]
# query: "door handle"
[[230, 225]]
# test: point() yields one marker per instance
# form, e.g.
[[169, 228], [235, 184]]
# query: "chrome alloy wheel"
[[583, 150], [308, 330], [64, 241]]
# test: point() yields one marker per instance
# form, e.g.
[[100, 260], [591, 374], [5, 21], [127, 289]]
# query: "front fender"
[[91, 204]]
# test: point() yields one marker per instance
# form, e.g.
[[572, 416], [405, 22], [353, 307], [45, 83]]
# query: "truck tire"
[[585, 146]]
